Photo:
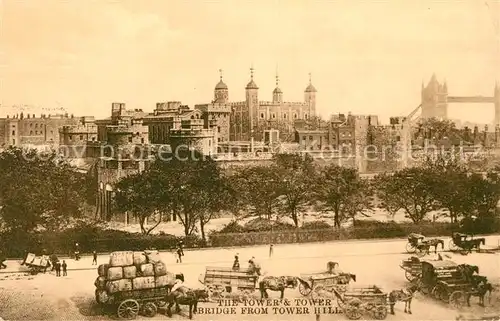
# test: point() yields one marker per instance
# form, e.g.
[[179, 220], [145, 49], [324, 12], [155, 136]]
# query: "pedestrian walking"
[[236, 263], [64, 268], [271, 250], [181, 245], [94, 259], [58, 268], [179, 255]]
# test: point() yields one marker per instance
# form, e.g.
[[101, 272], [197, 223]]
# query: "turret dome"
[[310, 89], [277, 90], [221, 85], [251, 85]]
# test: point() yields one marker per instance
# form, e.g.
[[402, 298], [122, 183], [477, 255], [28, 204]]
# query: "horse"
[[467, 271], [185, 296], [404, 295], [277, 283], [433, 243], [482, 287]]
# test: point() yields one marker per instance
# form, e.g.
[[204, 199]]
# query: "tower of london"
[[250, 117]]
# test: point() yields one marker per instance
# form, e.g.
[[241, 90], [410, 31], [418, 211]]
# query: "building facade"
[[29, 130], [251, 117], [79, 141]]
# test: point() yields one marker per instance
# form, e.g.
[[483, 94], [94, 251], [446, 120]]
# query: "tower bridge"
[[435, 100]]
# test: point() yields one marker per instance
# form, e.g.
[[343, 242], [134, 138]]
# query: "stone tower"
[[252, 100], [310, 97], [434, 99], [221, 92], [277, 93]]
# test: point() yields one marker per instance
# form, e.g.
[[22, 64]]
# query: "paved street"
[[45, 297]]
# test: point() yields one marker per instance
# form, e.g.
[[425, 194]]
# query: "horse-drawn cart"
[[221, 279], [412, 268], [319, 284], [37, 264], [358, 301], [465, 243], [445, 282]]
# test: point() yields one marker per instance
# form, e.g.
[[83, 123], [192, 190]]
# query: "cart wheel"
[[128, 309], [424, 288], [409, 276], [317, 292], [410, 248], [452, 246], [380, 312], [304, 290], [436, 292], [458, 299], [353, 311], [149, 309]]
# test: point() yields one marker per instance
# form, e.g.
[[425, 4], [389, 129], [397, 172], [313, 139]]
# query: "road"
[[45, 297]]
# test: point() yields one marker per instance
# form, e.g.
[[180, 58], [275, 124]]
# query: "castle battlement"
[[283, 104]]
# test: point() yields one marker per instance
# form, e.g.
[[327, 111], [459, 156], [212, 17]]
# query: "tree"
[[341, 191], [138, 194], [259, 189], [38, 190], [297, 175], [382, 184], [451, 184], [193, 186], [437, 128], [410, 189]]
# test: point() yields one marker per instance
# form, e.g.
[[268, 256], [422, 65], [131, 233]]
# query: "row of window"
[[273, 116]]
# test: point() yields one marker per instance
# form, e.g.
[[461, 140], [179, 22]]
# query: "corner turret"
[[221, 92]]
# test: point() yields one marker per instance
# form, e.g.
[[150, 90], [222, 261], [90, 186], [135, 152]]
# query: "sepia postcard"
[[249, 160]]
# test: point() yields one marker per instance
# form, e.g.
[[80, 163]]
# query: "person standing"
[[94, 257], [64, 268], [271, 250], [179, 255], [236, 263], [58, 268], [181, 244]]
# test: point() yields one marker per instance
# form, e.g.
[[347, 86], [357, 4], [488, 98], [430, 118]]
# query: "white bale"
[[121, 258], [160, 269], [119, 286], [115, 273], [100, 282], [164, 280], [129, 272], [147, 282], [101, 296], [30, 257], [102, 270], [140, 258], [147, 269], [153, 256]]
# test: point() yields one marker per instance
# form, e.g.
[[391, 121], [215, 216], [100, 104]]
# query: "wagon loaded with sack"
[[37, 264], [133, 283]]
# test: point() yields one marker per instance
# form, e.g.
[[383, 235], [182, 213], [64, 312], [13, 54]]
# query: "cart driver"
[[177, 284]]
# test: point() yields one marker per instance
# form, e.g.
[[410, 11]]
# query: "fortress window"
[[36, 132], [218, 129], [295, 116], [142, 140], [51, 132], [31, 132], [274, 115], [284, 116], [36, 125], [130, 139], [81, 137], [305, 116], [310, 138], [70, 137], [261, 115], [93, 138], [31, 125], [13, 132]]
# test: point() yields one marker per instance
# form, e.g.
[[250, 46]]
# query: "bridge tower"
[[434, 99]]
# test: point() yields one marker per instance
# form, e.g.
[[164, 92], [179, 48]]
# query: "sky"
[[365, 57]]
